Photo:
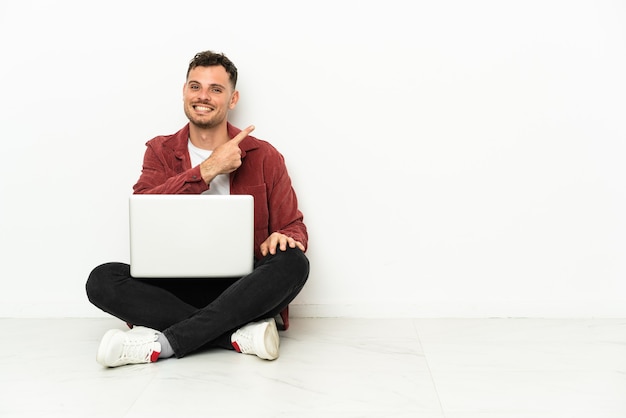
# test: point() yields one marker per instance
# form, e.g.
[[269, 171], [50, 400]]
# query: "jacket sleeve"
[[166, 173]]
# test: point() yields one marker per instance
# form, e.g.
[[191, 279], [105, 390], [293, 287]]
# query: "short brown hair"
[[209, 59]]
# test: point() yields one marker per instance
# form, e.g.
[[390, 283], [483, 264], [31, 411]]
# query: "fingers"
[[269, 245], [277, 240], [299, 245], [264, 249], [241, 135]]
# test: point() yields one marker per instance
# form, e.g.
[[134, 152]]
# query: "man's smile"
[[202, 108]]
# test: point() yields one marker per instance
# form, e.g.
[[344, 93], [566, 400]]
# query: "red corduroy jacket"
[[262, 174]]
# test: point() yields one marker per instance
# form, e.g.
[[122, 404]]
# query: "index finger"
[[241, 135]]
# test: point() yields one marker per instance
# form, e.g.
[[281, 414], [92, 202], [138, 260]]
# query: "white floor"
[[455, 368]]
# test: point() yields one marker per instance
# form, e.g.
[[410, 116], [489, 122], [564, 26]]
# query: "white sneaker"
[[119, 348], [258, 338]]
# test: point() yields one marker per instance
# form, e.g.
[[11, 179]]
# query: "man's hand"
[[281, 241], [225, 159]]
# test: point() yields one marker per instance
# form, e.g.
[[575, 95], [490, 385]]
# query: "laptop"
[[191, 236]]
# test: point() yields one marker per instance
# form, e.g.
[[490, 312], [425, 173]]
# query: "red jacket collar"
[[178, 141]]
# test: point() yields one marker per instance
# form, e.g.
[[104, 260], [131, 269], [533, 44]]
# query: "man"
[[209, 155]]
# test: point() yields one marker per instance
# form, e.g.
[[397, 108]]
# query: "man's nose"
[[204, 95]]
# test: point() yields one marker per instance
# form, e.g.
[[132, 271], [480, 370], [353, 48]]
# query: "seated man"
[[209, 155]]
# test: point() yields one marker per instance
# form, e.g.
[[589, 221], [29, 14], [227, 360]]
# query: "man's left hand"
[[281, 241]]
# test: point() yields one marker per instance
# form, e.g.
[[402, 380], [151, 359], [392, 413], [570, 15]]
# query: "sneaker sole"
[[270, 341]]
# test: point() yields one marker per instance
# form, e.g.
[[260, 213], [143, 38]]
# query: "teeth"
[[203, 108]]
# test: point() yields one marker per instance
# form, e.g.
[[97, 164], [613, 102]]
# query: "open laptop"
[[184, 236]]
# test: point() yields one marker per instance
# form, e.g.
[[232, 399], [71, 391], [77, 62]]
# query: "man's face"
[[208, 96]]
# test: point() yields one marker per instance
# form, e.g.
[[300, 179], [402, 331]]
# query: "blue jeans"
[[200, 313]]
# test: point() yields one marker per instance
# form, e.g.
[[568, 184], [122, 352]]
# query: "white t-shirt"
[[221, 183]]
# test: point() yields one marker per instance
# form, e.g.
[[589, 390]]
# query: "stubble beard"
[[208, 124]]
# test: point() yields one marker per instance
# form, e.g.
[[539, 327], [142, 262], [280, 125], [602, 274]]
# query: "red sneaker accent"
[[236, 346], [154, 356]]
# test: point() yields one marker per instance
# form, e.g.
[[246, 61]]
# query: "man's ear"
[[234, 99]]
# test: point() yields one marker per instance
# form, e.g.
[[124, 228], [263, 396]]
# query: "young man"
[[209, 155]]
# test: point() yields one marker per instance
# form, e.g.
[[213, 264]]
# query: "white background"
[[452, 158]]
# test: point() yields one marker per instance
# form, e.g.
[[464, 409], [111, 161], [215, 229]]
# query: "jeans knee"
[[296, 274], [297, 264], [99, 281], [93, 285]]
